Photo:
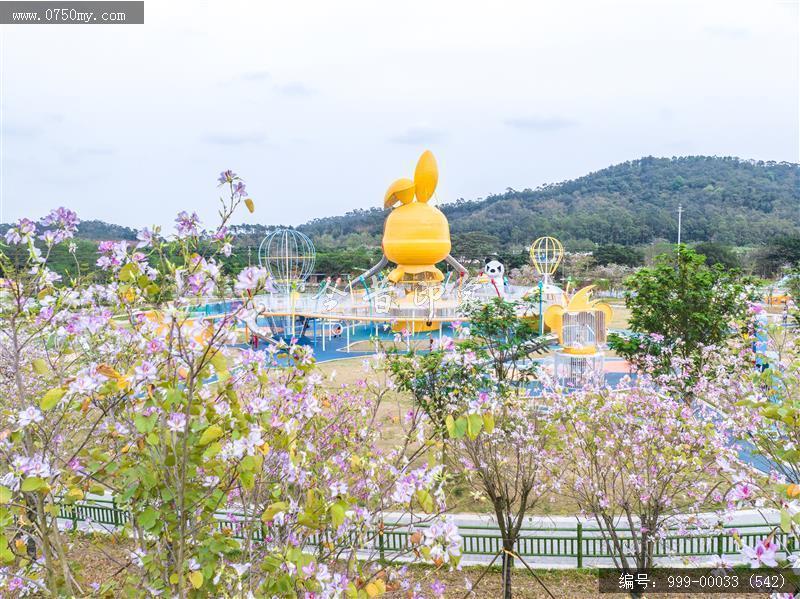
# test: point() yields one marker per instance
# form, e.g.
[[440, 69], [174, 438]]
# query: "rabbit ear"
[[426, 176], [401, 190]]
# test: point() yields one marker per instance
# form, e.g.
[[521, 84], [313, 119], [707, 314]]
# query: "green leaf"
[[5, 495], [488, 422], [451, 426], [147, 519], [219, 362], [474, 425], [337, 514], [425, 500], [212, 450], [32, 483], [212, 433], [460, 427], [51, 398], [40, 366], [144, 424], [6, 555], [247, 464], [196, 578], [274, 508], [786, 521], [127, 272]]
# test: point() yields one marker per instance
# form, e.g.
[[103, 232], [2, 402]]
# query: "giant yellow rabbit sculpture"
[[416, 235]]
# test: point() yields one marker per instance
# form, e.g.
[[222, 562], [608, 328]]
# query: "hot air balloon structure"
[[581, 326], [546, 255]]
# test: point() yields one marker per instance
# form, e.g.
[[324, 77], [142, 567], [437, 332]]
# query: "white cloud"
[[320, 105]]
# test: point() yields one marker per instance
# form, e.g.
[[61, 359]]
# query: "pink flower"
[[187, 224], [176, 422], [250, 278], [763, 554], [742, 492]]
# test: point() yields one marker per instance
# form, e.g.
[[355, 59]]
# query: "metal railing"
[[578, 543]]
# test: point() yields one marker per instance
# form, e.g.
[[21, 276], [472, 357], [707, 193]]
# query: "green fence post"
[[381, 547], [720, 542], [579, 539]]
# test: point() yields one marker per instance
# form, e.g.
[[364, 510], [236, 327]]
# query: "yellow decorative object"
[[401, 190], [416, 326], [426, 176], [777, 299], [580, 351], [553, 318], [546, 255], [581, 302], [200, 334], [416, 235]]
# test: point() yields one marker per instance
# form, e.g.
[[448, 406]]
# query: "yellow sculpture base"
[[417, 326], [416, 274], [580, 351]]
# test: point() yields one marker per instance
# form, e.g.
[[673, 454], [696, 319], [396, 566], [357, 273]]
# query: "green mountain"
[[726, 200], [95, 230]]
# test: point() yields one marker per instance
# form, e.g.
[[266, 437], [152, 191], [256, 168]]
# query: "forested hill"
[[95, 230], [727, 200]]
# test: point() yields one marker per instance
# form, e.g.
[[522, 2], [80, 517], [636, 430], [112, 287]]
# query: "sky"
[[320, 105]]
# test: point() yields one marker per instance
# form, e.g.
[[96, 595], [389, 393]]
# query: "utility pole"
[[680, 212], [248, 255]]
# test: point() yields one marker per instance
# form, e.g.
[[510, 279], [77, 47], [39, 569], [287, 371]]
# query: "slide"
[[263, 333]]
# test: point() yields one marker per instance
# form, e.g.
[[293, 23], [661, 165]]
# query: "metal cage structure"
[[575, 370], [289, 257], [587, 327]]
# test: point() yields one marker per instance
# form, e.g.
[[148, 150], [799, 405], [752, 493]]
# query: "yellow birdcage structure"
[[546, 255]]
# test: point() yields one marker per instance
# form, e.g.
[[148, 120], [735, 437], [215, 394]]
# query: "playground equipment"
[[197, 329], [289, 257], [546, 255], [414, 296], [416, 236], [581, 325]]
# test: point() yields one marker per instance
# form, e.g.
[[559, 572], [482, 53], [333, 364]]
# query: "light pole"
[[680, 212], [541, 319]]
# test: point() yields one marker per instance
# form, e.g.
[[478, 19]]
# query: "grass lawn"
[[461, 497]]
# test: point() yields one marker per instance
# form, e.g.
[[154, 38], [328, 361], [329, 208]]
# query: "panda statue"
[[495, 271]]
